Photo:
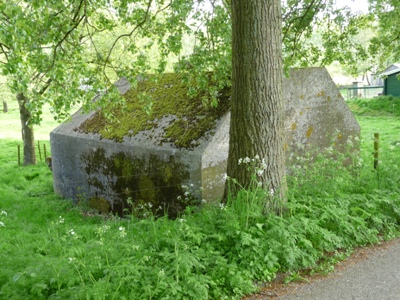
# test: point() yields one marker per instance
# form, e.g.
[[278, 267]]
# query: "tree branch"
[[301, 17], [75, 23], [4, 51], [45, 87], [129, 34]]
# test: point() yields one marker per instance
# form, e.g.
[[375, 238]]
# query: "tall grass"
[[50, 249], [379, 106]]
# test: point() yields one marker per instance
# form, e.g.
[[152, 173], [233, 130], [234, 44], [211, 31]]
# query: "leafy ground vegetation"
[[380, 106], [50, 249]]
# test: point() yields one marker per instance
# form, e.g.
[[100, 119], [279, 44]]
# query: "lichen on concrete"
[[168, 95]]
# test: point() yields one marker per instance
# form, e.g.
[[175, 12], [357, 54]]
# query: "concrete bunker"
[[182, 146]]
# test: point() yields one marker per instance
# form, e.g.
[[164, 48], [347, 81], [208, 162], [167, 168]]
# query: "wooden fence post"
[[376, 150], [19, 155], [40, 153]]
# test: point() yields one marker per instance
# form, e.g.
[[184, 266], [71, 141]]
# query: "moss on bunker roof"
[[189, 118]]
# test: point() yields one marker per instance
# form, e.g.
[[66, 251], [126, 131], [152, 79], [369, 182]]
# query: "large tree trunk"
[[5, 106], [257, 124], [27, 132]]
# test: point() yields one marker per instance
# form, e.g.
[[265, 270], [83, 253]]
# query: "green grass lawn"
[[10, 124], [51, 249]]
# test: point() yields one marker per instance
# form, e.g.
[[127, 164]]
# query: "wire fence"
[[363, 92]]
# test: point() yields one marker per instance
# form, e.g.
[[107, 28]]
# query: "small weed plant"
[[50, 249]]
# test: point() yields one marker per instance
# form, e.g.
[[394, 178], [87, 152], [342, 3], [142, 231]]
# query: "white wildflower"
[[161, 273], [257, 157], [104, 229], [71, 259], [263, 164], [203, 201], [240, 161], [71, 232], [246, 160], [2, 224], [272, 192], [222, 206], [3, 213], [122, 232], [260, 172]]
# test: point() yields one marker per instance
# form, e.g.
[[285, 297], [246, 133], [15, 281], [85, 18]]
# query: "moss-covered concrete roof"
[[189, 118]]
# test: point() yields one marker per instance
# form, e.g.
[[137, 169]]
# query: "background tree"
[[43, 53], [5, 94], [23, 36], [385, 46]]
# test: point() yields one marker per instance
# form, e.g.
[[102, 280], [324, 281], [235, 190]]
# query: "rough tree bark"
[[27, 132], [257, 127]]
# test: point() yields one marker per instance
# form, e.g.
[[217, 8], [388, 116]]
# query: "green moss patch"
[[135, 182], [101, 205], [167, 96]]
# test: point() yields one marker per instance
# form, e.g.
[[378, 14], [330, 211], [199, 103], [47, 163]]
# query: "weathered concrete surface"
[[316, 117], [149, 166], [316, 114]]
